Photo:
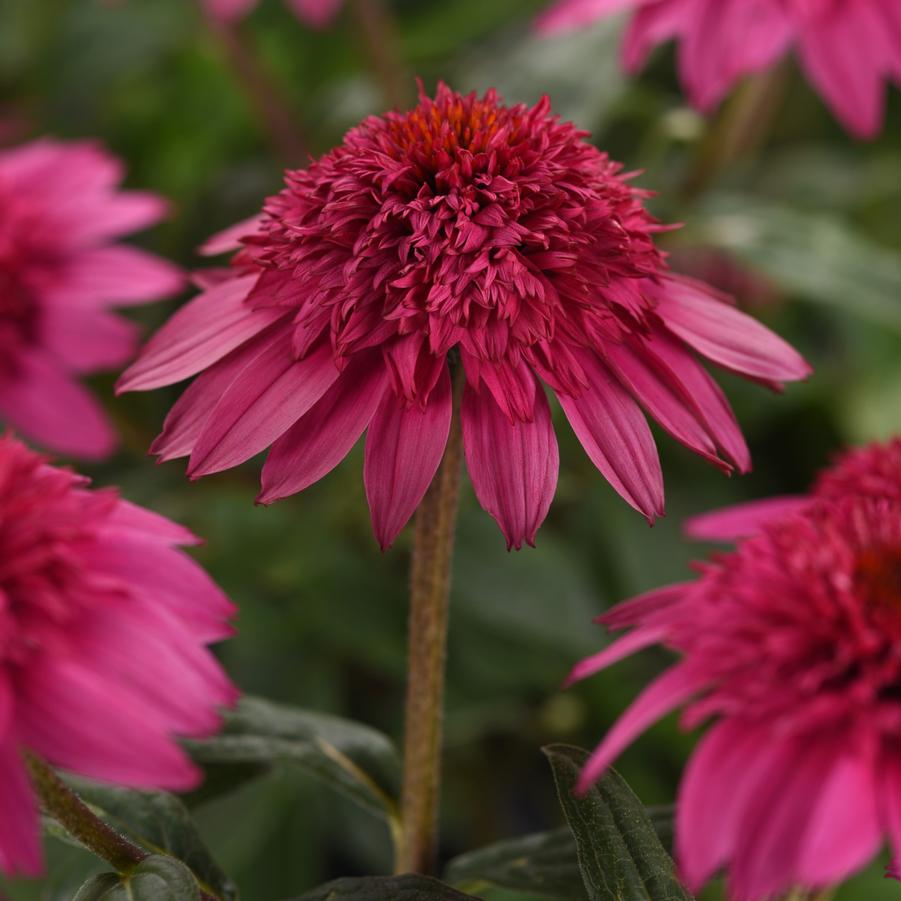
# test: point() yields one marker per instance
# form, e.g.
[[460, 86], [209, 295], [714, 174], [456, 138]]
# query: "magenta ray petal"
[[721, 422], [568, 14], [274, 391], [614, 652], [198, 335], [229, 239], [616, 437], [727, 336], [129, 518], [663, 695], [56, 411], [189, 414], [659, 391], [319, 441], [637, 610], [86, 341], [844, 829], [727, 763], [404, 447], [889, 774], [513, 465], [740, 520], [20, 845]]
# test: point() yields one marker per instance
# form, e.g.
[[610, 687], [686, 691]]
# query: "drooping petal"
[[663, 695], [114, 276], [265, 399], [741, 520], [721, 423], [404, 446], [20, 831], [319, 441], [51, 409], [657, 388], [316, 13], [513, 465], [616, 437], [189, 414], [59, 721], [844, 830], [726, 335], [200, 333], [87, 340], [143, 523]]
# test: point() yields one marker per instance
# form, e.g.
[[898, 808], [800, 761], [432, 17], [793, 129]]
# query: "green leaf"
[[353, 758], [99, 888], [544, 864], [816, 256], [619, 854], [386, 888], [161, 824], [157, 878]]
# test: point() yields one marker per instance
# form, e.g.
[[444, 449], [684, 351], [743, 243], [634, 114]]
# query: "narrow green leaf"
[[544, 864], [816, 256], [161, 824], [386, 888], [353, 758], [619, 853]]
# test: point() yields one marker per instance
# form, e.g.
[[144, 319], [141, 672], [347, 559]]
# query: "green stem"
[[741, 129], [429, 595], [79, 821], [276, 117]]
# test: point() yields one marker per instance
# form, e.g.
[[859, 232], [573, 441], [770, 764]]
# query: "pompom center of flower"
[[878, 577]]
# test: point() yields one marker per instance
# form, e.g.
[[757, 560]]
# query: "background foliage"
[[322, 624]]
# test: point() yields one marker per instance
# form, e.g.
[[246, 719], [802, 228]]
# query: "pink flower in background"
[[791, 645], [315, 13], [104, 624], [495, 239], [849, 49], [872, 471], [60, 273]]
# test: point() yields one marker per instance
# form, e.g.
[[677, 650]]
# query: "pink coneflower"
[[103, 631], [60, 273], [871, 471], [315, 13], [849, 49], [792, 646], [492, 238]]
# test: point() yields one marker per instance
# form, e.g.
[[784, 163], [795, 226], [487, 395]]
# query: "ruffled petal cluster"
[[791, 646], [315, 13], [849, 49], [104, 627], [461, 241], [60, 275]]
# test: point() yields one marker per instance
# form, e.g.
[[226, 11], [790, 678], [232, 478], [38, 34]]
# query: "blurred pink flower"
[[848, 48], [791, 645], [60, 272], [103, 631], [315, 13], [871, 471], [493, 237]]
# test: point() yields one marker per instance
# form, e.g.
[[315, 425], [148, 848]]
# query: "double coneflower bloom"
[[790, 645], [463, 253], [104, 627]]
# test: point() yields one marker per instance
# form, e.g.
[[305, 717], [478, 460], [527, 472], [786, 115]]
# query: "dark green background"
[[322, 611]]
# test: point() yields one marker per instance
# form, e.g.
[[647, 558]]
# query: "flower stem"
[[741, 129], [382, 47], [79, 821], [279, 121], [429, 594]]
